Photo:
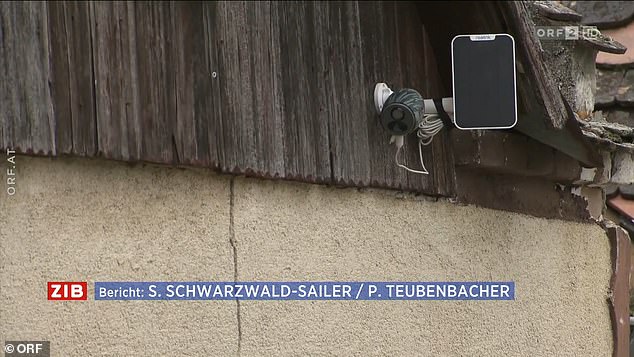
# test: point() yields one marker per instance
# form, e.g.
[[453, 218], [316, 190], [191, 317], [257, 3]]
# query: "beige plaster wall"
[[91, 220]]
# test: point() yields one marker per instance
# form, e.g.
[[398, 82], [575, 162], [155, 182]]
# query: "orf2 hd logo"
[[65, 290]]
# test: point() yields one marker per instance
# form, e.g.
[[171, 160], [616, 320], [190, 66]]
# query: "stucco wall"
[[92, 220]]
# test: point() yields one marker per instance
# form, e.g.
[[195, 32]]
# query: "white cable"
[[420, 151], [427, 129], [429, 126]]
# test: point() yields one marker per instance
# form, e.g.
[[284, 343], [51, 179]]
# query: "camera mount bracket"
[[382, 92]]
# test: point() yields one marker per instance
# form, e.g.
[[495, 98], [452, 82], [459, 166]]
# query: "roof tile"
[[622, 205], [627, 191], [625, 36], [557, 11], [625, 90], [621, 116], [611, 191], [607, 83], [605, 14]]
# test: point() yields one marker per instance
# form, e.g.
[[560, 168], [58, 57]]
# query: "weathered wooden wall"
[[263, 88], [26, 107]]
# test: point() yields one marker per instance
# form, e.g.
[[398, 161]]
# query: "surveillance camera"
[[405, 111], [402, 111]]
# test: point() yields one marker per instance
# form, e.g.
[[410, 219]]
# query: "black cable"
[[442, 114]]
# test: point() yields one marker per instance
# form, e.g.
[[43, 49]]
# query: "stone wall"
[[94, 220]]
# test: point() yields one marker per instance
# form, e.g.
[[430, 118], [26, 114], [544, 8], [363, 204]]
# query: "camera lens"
[[397, 114], [402, 112]]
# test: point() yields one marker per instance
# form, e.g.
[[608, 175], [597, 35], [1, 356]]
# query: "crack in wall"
[[232, 241]]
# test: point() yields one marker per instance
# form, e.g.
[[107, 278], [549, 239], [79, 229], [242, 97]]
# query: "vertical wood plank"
[[118, 129], [149, 85], [60, 85], [195, 120], [213, 43], [268, 134], [234, 76], [81, 79], [306, 143], [444, 173], [347, 94], [72, 80], [6, 99]]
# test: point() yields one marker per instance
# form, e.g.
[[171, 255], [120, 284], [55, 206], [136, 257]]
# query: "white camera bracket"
[[382, 92]]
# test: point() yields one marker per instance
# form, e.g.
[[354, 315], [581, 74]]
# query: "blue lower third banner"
[[304, 290]]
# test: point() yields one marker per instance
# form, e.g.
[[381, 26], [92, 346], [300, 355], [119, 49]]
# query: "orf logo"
[[27, 348], [67, 291]]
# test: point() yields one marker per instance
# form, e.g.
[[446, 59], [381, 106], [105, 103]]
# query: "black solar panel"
[[484, 81]]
